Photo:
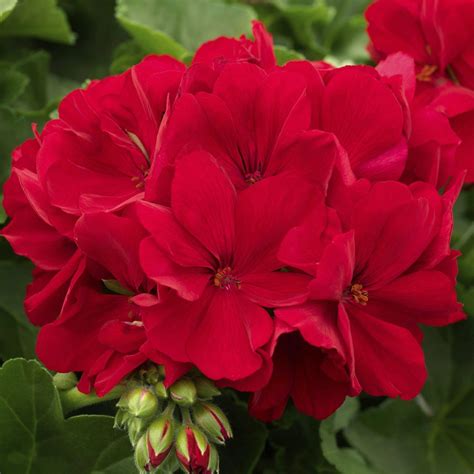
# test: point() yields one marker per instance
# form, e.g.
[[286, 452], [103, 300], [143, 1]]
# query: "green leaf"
[[294, 446], [346, 460], [35, 438], [16, 340], [12, 84], [6, 7], [17, 335], [241, 454], [283, 55], [125, 56], [98, 34], [435, 435], [179, 27], [41, 19]]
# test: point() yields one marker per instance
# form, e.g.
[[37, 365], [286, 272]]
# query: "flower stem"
[[73, 399], [186, 416], [423, 405]]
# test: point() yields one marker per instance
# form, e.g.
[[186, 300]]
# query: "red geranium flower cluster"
[[436, 35], [278, 228]]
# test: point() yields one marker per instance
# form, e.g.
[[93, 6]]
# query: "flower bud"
[[213, 465], [192, 449], [136, 426], [160, 390], [65, 381], [205, 388], [142, 403], [121, 419], [213, 421], [160, 436], [141, 455], [183, 392]]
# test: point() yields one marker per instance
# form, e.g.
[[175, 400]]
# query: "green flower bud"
[[160, 437], [123, 400], [141, 455], [183, 392], [213, 421], [142, 402], [213, 465], [136, 427], [205, 388], [65, 381], [152, 375], [121, 419], [160, 390]]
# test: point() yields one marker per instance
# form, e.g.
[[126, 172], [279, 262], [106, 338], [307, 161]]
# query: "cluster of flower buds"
[[173, 427]]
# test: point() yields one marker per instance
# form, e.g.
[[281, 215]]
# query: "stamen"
[[252, 178], [426, 73], [360, 295], [225, 280], [138, 143]]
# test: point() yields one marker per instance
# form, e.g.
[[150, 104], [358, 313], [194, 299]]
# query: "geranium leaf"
[[435, 435], [37, 19], [35, 437], [241, 454], [346, 460], [178, 28]]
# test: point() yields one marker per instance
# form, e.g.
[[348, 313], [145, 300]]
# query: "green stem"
[[73, 399], [169, 410], [186, 415]]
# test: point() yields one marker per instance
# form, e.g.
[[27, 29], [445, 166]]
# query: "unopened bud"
[[160, 436], [136, 426], [213, 465], [65, 381], [183, 392], [192, 449], [141, 455], [142, 403], [213, 421], [160, 390], [121, 419], [205, 388]]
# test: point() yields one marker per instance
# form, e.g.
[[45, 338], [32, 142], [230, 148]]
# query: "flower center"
[[225, 280], [360, 295], [252, 178], [426, 72]]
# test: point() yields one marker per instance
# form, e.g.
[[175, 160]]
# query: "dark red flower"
[[382, 278], [455, 104], [217, 250], [309, 365], [218, 52], [255, 124], [438, 34]]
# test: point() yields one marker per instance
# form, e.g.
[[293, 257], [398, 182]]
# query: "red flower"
[[434, 154], [255, 124], [218, 52], [362, 110], [390, 272], [309, 365], [95, 156], [455, 104], [217, 250], [438, 34]]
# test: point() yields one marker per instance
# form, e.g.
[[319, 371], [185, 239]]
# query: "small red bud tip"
[[193, 450]]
